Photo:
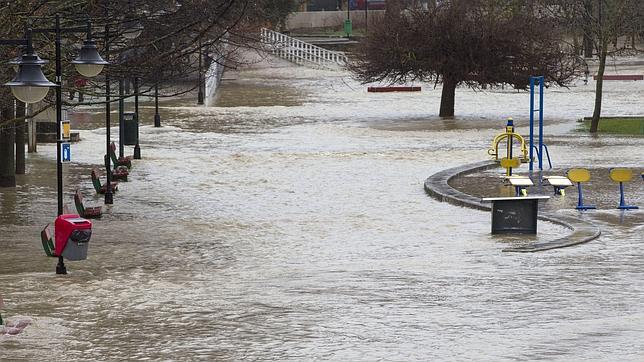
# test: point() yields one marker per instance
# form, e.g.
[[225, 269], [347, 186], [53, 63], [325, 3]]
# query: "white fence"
[[212, 79], [302, 53]]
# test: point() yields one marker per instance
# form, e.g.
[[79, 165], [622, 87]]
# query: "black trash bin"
[[515, 215], [131, 129]]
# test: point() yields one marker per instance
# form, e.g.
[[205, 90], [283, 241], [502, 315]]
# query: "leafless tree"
[[173, 32], [476, 43], [602, 23]]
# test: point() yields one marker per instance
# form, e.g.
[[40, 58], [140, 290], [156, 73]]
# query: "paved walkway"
[[438, 187]]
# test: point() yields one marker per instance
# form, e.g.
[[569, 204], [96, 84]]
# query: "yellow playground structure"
[[510, 137]]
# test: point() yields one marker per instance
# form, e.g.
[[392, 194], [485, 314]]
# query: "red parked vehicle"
[[373, 4]]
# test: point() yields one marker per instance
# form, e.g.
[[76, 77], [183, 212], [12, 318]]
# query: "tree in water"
[[602, 22], [476, 43]]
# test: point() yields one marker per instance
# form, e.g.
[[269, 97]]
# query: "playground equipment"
[[72, 233], [559, 183], [534, 81], [520, 184], [509, 136], [580, 175], [622, 175]]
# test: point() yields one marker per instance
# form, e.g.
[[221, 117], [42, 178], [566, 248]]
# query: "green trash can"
[[131, 132], [348, 27]]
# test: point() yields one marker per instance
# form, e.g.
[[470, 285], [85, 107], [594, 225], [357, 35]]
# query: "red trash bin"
[[72, 234]]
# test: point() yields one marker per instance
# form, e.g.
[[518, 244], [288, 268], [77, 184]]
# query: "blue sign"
[[66, 152]]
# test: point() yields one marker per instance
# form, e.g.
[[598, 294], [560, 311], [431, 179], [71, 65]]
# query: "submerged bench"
[[120, 161], [621, 77], [90, 212], [101, 189], [393, 89]]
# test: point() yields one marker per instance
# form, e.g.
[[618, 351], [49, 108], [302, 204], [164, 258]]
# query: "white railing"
[[215, 71], [302, 53], [212, 79]]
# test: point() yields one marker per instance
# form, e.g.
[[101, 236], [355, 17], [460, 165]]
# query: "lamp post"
[[200, 76], [137, 148], [28, 85], [157, 117], [88, 63], [109, 196], [131, 29], [121, 111]]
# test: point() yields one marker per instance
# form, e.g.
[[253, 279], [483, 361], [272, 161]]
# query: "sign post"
[[66, 152], [67, 130]]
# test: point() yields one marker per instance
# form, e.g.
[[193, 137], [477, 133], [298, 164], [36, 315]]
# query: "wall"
[[329, 19]]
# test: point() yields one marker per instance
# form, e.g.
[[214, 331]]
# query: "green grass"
[[618, 125]]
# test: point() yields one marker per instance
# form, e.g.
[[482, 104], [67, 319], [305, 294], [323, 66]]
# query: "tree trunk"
[[587, 28], [598, 89], [7, 140], [20, 138], [447, 98]]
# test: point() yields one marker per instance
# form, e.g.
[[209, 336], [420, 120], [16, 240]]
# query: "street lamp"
[[89, 63], [29, 84], [157, 116]]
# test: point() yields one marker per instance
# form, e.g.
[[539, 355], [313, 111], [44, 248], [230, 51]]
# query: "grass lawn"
[[620, 125]]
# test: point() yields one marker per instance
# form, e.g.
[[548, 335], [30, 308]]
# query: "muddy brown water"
[[293, 225]]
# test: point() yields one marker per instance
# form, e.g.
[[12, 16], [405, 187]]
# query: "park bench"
[[393, 89], [91, 212], [621, 77], [121, 161], [47, 241], [96, 181], [120, 173]]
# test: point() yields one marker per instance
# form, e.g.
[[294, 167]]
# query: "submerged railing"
[[300, 52], [212, 79]]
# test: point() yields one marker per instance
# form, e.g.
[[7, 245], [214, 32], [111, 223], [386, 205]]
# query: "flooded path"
[[289, 222]]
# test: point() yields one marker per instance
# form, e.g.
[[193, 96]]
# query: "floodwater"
[[289, 222]]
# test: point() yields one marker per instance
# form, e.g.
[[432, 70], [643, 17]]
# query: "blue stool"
[[622, 175], [580, 175]]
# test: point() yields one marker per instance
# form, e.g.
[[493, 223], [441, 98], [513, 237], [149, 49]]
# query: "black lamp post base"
[[109, 198], [137, 152], [157, 120], [60, 268]]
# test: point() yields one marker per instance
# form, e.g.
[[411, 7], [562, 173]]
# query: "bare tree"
[[172, 34], [602, 23], [476, 43]]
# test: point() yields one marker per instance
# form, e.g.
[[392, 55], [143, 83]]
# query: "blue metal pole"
[[580, 203], [541, 123], [531, 120]]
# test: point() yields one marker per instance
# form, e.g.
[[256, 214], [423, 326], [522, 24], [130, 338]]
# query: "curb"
[[437, 186]]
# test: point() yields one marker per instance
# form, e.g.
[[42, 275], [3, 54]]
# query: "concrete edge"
[[437, 186]]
